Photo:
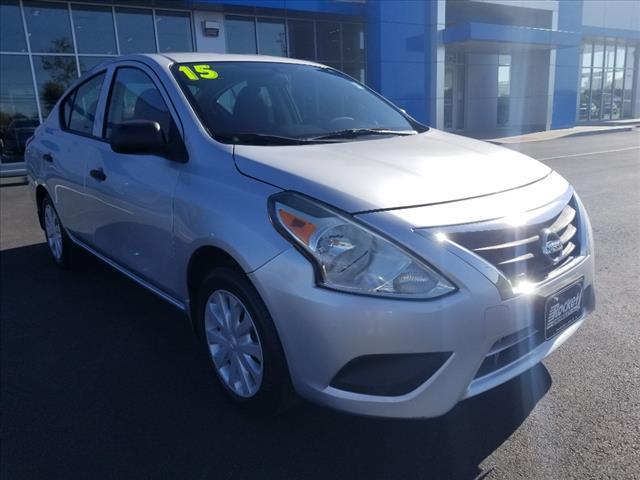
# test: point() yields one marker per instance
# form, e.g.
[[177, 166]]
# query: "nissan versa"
[[320, 240]]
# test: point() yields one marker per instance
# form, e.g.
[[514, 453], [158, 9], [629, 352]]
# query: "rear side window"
[[79, 108], [134, 96]]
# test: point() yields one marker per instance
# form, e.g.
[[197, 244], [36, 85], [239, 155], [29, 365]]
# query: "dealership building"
[[484, 68]]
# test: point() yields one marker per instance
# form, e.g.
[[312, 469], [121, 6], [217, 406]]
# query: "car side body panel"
[[216, 206]]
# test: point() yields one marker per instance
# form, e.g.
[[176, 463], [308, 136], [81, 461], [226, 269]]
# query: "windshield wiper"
[[360, 132], [259, 139]]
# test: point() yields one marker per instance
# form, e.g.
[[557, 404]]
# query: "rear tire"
[[62, 249], [241, 343]]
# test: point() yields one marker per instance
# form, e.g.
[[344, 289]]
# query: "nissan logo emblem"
[[551, 245]]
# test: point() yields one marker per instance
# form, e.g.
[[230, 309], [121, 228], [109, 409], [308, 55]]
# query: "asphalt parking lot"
[[100, 379]]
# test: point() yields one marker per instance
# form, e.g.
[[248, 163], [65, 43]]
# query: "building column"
[[402, 55], [567, 68]]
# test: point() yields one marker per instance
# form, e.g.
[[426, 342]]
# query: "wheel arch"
[[41, 193], [202, 261]]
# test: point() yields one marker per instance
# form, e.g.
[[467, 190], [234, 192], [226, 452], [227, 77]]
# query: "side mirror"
[[138, 137]]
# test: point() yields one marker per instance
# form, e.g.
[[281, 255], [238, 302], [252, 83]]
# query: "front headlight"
[[349, 257]]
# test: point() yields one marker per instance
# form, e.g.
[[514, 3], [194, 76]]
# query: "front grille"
[[517, 251]]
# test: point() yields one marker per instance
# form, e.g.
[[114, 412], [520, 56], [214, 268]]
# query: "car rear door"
[[132, 195], [65, 151]]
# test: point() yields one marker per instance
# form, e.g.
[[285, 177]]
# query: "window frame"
[[157, 82], [64, 122]]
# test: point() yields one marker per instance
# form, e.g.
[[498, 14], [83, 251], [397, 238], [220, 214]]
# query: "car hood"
[[391, 172]]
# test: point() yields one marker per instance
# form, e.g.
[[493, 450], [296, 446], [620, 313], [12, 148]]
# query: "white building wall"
[[209, 44], [538, 4], [482, 92], [530, 94], [624, 14], [529, 89]]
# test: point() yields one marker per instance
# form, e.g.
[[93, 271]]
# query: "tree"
[[62, 71]]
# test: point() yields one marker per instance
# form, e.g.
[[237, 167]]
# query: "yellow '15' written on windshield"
[[197, 72]]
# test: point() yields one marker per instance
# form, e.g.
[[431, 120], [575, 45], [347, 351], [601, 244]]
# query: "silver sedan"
[[319, 239]]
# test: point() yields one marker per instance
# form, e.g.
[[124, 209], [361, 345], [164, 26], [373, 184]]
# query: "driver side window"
[[134, 96]]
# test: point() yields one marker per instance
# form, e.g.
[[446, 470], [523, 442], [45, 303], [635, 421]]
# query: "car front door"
[[132, 194]]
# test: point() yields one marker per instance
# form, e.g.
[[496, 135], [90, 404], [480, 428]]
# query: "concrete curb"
[[599, 132], [551, 136]]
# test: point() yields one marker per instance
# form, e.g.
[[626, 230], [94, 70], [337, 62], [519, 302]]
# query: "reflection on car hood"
[[391, 172]]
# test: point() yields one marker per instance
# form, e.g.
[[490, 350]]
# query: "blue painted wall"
[[398, 58], [565, 93], [321, 6]]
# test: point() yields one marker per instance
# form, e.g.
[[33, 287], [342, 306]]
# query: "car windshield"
[[286, 103]]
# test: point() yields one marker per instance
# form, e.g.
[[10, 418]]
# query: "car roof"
[[192, 57]]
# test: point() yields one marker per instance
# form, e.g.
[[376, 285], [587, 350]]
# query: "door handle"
[[98, 174], [47, 157]]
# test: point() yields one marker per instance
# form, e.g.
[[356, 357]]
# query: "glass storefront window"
[[94, 29], [454, 90], [65, 38], [11, 30], [627, 93], [504, 80], [352, 43], [598, 55], [587, 50], [616, 110], [241, 35], [504, 59], [504, 88], [301, 39], [631, 57], [272, 39], [620, 54], [596, 94], [135, 30], [449, 67], [585, 89], [328, 41], [356, 70], [54, 74], [88, 62], [335, 44], [48, 26], [610, 54], [607, 106], [18, 109], [606, 93], [174, 31]]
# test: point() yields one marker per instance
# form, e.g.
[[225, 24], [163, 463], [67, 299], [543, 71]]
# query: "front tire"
[[241, 342], [60, 246]]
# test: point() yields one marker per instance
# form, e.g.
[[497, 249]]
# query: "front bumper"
[[323, 330]]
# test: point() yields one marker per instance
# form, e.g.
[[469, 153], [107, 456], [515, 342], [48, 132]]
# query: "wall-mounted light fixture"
[[210, 29]]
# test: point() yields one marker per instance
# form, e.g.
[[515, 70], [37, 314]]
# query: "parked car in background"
[[14, 137], [592, 111], [320, 240]]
